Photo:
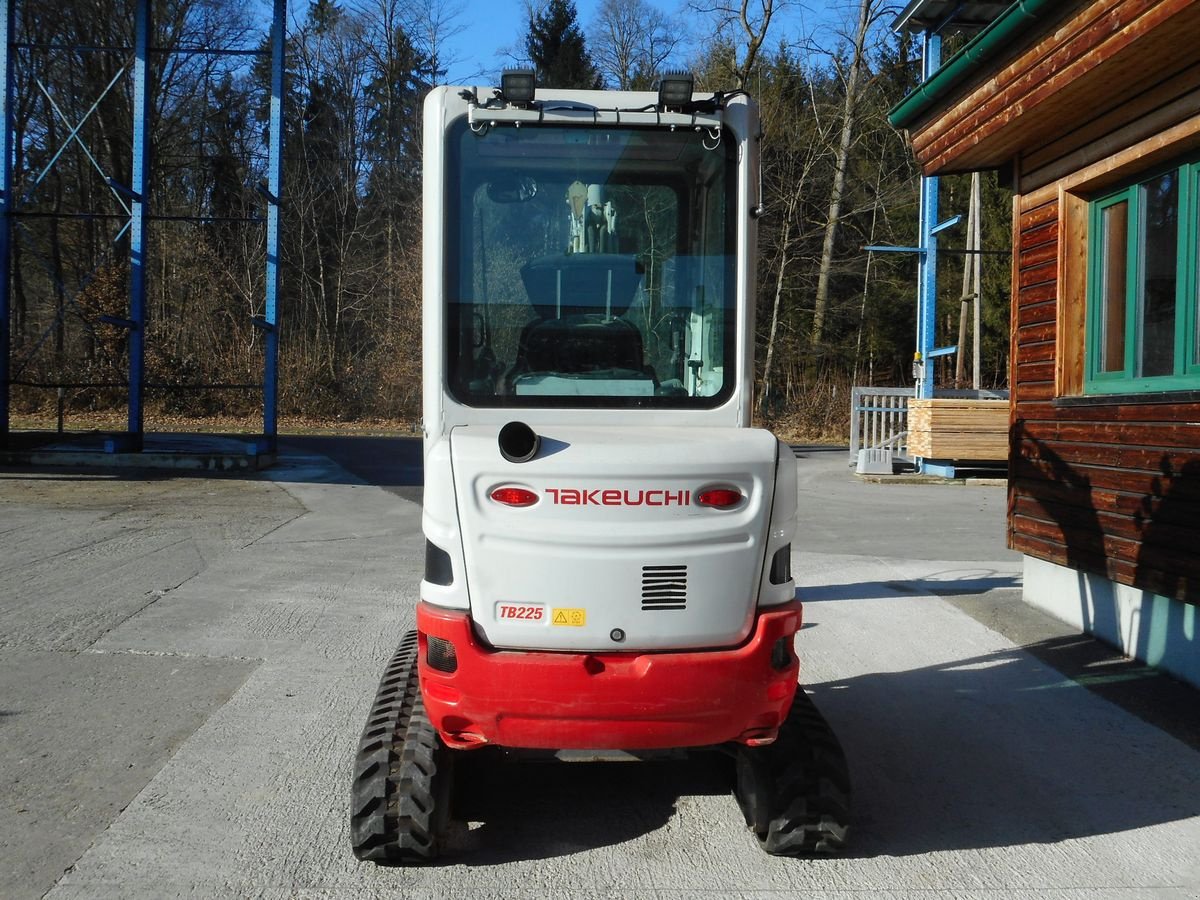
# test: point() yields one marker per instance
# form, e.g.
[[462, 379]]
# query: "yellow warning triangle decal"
[[561, 618]]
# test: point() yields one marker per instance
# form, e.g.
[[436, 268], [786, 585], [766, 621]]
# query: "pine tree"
[[398, 83], [556, 46], [401, 77]]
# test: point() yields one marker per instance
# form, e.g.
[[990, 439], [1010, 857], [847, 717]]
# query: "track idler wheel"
[[399, 801], [795, 793]]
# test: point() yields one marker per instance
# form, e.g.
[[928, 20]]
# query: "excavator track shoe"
[[795, 793], [400, 795]]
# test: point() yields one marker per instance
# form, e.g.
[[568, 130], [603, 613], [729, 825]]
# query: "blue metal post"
[[274, 188], [6, 203], [139, 185], [931, 61]]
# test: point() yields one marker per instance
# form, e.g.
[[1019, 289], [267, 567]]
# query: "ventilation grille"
[[664, 587]]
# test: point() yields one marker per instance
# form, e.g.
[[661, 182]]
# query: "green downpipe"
[[1001, 32]]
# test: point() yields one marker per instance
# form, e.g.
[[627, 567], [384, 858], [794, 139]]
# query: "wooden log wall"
[[1111, 487]]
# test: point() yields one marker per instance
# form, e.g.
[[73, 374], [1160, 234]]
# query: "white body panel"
[[612, 502], [588, 558]]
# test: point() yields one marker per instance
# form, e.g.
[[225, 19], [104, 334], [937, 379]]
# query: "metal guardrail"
[[879, 417]]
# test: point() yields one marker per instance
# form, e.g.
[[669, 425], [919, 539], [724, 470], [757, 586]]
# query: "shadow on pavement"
[[393, 463], [998, 750], [958, 582], [524, 809], [993, 751]]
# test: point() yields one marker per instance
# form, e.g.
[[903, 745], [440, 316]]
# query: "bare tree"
[[431, 24], [799, 134], [630, 41], [749, 21], [855, 72]]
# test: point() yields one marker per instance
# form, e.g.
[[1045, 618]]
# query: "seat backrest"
[[579, 345], [577, 283]]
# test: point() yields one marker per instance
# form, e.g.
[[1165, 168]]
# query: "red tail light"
[[514, 496], [441, 656], [719, 497]]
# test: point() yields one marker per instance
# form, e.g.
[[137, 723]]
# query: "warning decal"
[[574, 617]]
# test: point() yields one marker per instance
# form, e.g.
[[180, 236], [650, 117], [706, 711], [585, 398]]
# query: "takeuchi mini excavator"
[[608, 540]]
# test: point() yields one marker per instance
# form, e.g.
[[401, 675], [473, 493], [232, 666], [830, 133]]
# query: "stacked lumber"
[[958, 429]]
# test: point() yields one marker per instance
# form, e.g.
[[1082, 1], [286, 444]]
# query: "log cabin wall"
[[1104, 484], [1092, 96], [1094, 108]]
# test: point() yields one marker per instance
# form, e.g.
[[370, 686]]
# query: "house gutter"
[[1005, 29]]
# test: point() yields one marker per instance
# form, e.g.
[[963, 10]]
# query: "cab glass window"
[[590, 266]]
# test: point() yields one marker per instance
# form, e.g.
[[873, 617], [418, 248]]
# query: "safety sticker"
[[573, 617]]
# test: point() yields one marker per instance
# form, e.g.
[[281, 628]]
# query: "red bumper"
[[609, 701]]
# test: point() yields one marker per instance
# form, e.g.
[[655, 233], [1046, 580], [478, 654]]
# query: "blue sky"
[[487, 27]]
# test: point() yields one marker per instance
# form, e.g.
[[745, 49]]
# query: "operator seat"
[[578, 299], [586, 343]]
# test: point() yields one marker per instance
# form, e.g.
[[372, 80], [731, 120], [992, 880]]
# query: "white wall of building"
[[1146, 626]]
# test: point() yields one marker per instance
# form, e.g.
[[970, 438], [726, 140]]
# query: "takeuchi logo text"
[[613, 497]]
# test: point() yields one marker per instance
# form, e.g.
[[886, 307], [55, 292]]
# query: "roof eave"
[[1005, 30]]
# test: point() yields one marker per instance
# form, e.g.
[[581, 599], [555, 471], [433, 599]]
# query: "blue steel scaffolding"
[[134, 198], [931, 19], [928, 224], [878, 424]]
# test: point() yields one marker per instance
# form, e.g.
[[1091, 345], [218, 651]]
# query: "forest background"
[[837, 178]]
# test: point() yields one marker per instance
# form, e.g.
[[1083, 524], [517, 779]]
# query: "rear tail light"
[[514, 496], [781, 565], [783, 653], [438, 568], [441, 655], [719, 497]]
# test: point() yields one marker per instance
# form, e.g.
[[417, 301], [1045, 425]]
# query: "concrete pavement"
[[186, 663]]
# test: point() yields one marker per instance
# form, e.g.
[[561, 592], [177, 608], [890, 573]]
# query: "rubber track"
[[810, 794], [393, 815]]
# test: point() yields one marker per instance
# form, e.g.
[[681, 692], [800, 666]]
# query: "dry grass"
[[116, 421], [820, 416]]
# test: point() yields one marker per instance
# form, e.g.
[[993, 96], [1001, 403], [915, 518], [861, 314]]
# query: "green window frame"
[[1143, 330]]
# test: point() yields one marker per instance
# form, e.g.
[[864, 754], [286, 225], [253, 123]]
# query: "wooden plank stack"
[[952, 429]]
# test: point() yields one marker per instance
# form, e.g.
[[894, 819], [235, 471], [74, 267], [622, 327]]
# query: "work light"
[[674, 89], [518, 86]]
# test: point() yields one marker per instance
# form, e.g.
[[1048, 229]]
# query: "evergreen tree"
[[556, 46], [400, 78], [397, 87], [227, 130]]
